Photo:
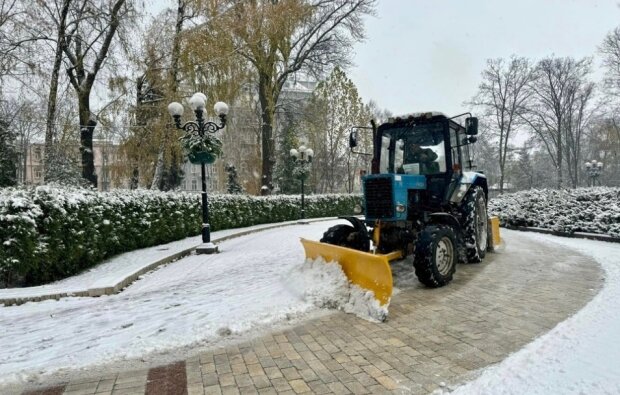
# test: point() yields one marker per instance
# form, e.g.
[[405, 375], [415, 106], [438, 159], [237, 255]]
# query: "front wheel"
[[435, 255], [346, 236]]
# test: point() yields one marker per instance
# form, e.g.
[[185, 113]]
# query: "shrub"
[[49, 233], [590, 210]]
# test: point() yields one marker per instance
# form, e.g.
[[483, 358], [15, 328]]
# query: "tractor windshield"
[[417, 149]]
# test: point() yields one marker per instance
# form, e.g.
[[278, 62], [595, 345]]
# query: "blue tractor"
[[422, 199]]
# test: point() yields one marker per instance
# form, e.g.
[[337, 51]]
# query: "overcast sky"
[[428, 54]]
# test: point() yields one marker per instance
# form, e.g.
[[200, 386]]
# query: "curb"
[[131, 277], [575, 235]]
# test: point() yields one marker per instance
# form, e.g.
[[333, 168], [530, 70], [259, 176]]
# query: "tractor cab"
[[422, 157]]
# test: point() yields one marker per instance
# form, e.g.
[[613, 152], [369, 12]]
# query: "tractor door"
[[455, 157]]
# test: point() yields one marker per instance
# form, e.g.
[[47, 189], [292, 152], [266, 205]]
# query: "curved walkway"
[[432, 336]]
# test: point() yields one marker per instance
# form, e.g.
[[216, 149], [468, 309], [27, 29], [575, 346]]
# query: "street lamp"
[[302, 157], [197, 130], [594, 169]]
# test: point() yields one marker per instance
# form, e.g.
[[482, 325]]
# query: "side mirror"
[[353, 139], [471, 126]]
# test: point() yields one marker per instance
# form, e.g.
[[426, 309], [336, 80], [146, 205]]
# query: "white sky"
[[427, 55]]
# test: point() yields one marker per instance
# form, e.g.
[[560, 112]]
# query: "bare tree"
[[86, 50], [502, 95], [61, 34], [182, 15], [558, 86], [610, 51], [280, 38]]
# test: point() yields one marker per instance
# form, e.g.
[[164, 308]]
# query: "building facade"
[[105, 155]]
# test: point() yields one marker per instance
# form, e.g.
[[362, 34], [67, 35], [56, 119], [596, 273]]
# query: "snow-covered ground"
[[261, 280], [581, 355], [257, 280]]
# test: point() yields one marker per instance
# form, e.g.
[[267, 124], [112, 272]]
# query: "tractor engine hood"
[[386, 195]]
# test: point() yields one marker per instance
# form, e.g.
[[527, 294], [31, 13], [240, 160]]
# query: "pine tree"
[[233, 183]]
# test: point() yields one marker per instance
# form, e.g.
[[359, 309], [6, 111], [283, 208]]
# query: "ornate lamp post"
[[197, 133], [594, 169], [302, 157]]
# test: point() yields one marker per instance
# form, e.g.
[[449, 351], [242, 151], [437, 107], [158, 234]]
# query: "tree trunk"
[[174, 83], [267, 116], [87, 130], [135, 178], [53, 93], [159, 167]]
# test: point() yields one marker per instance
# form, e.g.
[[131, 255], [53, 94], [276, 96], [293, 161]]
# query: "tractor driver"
[[418, 154]]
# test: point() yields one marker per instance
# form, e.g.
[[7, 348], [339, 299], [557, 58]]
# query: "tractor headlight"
[[400, 208], [357, 209]]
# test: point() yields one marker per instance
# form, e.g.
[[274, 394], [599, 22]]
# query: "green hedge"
[[51, 233]]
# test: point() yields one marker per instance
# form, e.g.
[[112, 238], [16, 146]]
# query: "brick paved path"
[[433, 337]]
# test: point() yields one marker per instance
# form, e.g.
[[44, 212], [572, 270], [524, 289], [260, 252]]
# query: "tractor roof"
[[416, 115]]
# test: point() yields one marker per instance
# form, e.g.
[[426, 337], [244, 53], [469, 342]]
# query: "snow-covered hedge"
[[590, 210], [50, 233]]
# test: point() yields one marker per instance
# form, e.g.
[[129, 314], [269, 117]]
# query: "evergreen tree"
[[287, 182], [233, 183], [63, 169], [8, 156]]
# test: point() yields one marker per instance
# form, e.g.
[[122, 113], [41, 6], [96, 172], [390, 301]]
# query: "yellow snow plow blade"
[[368, 271]]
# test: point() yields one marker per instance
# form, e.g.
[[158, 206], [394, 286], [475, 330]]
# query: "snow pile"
[[590, 210], [579, 355], [326, 286]]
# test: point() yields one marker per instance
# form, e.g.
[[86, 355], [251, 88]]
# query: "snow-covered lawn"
[[256, 281], [581, 355]]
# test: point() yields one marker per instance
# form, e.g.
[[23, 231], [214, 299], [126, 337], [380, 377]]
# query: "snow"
[[326, 286], [257, 281], [261, 281], [580, 355]]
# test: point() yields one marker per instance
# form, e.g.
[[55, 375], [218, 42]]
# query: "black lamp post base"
[[207, 248]]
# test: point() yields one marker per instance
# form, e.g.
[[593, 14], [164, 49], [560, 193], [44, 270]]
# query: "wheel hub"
[[443, 255]]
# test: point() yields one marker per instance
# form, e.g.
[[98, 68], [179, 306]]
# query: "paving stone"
[[281, 384], [105, 385], [226, 379], [261, 381], [291, 373], [233, 390], [338, 388], [195, 389], [212, 390]]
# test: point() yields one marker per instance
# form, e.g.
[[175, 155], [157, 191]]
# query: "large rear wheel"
[[475, 224], [346, 236], [435, 255]]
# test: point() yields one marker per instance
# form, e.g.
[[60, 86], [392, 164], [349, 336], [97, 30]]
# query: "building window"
[[37, 154], [37, 173], [194, 185], [194, 169]]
